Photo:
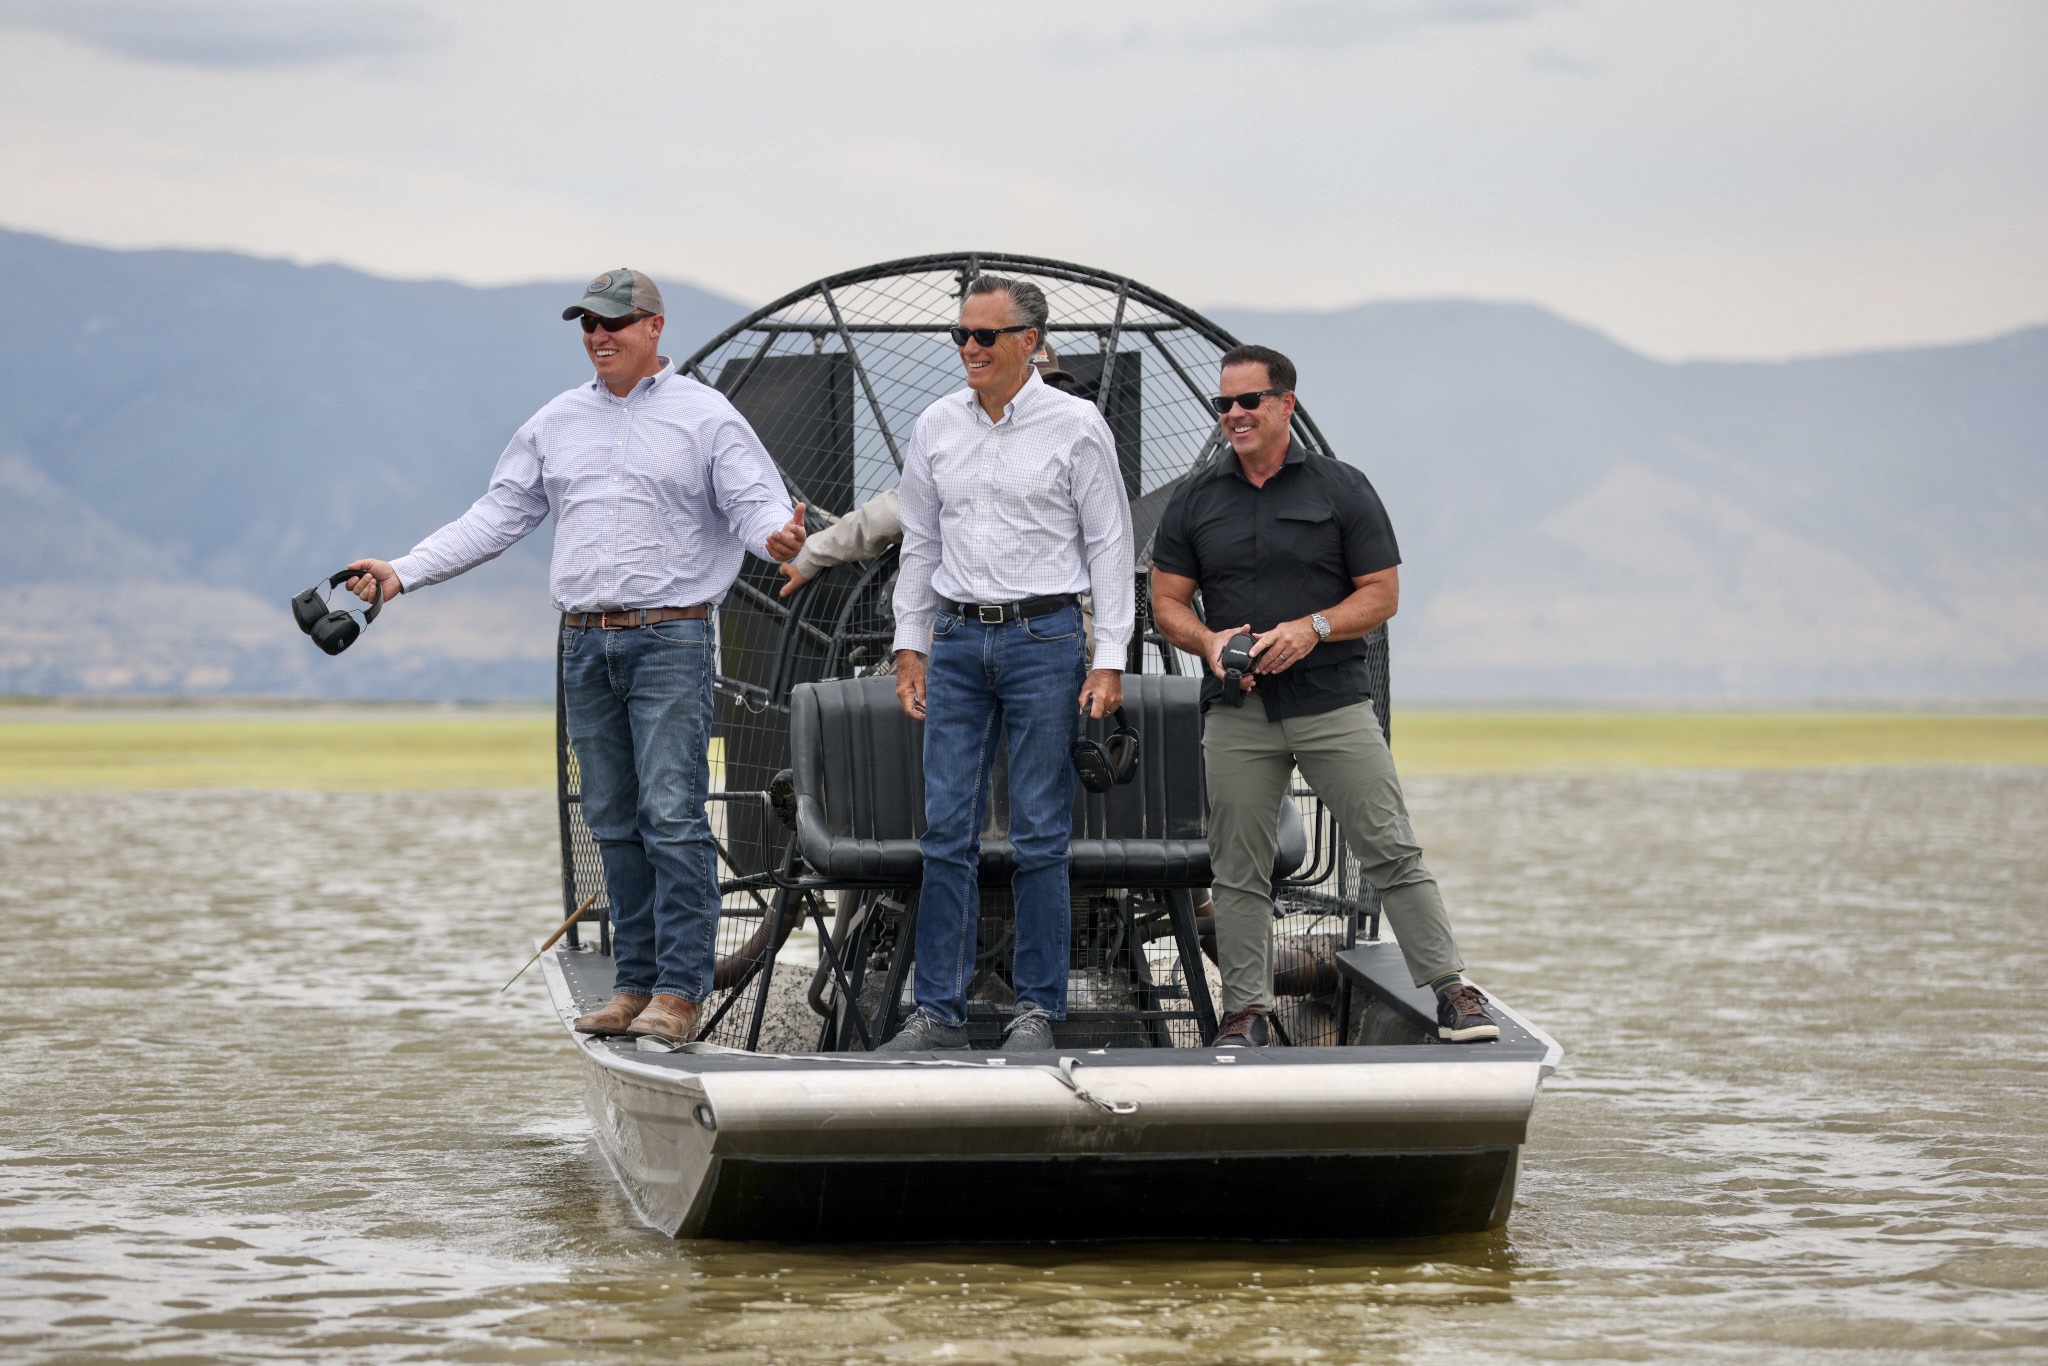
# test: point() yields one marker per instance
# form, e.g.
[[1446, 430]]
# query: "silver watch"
[[1322, 625]]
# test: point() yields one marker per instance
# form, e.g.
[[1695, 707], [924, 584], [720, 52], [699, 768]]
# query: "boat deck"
[[1376, 968]]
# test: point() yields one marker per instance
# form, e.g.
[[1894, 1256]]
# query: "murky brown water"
[[259, 1101]]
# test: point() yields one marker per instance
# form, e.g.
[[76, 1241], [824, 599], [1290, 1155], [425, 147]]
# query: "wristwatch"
[[1322, 625]]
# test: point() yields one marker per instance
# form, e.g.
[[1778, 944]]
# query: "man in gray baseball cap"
[[658, 488], [617, 294]]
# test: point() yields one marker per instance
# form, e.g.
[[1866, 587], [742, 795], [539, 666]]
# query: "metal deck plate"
[[1377, 967]]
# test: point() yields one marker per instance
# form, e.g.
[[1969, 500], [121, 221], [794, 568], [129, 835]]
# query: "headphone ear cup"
[[336, 632], [1096, 772], [307, 609], [1123, 755]]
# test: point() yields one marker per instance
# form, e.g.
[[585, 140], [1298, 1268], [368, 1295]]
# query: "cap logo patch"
[[599, 285]]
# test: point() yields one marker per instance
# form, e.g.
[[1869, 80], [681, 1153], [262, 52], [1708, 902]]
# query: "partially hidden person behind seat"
[[1012, 506], [659, 489], [1297, 550]]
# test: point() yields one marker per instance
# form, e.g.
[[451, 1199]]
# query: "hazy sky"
[[1728, 177]]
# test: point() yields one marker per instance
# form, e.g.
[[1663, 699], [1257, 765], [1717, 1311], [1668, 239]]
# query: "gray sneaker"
[[921, 1033], [1030, 1031]]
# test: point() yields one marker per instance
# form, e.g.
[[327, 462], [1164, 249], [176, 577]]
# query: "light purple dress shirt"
[[656, 498]]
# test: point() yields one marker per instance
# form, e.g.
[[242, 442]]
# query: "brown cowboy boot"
[[667, 1017], [613, 1016]]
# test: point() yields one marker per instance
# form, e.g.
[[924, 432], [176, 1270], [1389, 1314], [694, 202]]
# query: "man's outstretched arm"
[[862, 534], [514, 504]]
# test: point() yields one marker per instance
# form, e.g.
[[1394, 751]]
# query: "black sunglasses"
[[591, 322], [1221, 402], [987, 335]]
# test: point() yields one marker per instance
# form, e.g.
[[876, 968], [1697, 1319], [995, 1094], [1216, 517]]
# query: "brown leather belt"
[[636, 616]]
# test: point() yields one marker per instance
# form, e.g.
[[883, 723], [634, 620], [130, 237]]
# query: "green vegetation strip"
[[1491, 742], [361, 750], [369, 749]]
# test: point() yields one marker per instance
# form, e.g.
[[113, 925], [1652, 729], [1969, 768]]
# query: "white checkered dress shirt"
[[657, 496], [1022, 508]]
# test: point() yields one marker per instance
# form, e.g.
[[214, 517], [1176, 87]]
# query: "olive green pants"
[[1342, 755]]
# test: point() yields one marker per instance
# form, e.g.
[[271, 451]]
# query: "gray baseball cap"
[[616, 293]]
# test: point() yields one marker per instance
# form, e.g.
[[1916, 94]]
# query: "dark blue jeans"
[[1021, 679], [639, 704]]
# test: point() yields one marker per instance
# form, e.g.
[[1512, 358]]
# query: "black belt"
[[996, 613]]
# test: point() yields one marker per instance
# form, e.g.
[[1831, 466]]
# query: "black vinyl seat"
[[859, 775], [858, 771], [858, 765], [1154, 830]]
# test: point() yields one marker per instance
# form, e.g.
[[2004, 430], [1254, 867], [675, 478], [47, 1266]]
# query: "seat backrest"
[[1167, 799], [857, 760], [858, 763]]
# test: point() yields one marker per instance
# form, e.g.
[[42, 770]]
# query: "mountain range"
[[188, 438]]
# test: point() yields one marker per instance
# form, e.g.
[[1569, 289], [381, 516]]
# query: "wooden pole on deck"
[[549, 942]]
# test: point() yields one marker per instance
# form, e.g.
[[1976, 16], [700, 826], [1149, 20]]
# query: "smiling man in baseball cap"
[[658, 488]]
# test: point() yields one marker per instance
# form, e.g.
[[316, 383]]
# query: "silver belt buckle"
[[989, 615]]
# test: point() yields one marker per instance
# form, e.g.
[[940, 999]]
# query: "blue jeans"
[[639, 704], [1021, 679]]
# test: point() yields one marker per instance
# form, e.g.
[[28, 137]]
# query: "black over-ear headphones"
[[334, 629], [1237, 661], [1103, 764]]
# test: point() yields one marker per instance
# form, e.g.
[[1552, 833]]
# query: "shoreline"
[[396, 747]]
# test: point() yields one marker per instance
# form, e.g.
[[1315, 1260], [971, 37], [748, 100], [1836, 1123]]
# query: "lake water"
[[259, 1100]]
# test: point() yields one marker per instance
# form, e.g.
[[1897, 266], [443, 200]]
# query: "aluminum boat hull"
[[1333, 1143]]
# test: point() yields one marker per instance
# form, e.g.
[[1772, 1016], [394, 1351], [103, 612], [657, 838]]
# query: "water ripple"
[[263, 1102]]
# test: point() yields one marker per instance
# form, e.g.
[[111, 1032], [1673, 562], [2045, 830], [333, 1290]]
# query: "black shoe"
[[1029, 1031], [1247, 1028], [1461, 1016], [921, 1033]]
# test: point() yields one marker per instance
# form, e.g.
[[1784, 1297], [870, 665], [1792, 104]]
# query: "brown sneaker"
[[667, 1017], [1461, 1016], [1247, 1028], [613, 1016]]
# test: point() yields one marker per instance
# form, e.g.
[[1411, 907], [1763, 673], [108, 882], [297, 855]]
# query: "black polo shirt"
[[1268, 555]]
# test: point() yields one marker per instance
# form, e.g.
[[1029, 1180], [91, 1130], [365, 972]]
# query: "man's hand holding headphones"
[[1102, 692], [375, 572]]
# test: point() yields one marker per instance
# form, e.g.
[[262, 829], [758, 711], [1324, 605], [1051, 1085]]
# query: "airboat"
[[777, 1123]]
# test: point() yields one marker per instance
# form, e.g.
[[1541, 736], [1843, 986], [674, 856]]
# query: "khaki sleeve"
[[862, 534]]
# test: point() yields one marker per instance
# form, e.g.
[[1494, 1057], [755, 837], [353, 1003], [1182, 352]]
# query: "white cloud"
[[1721, 177], [1337, 24], [228, 33], [1298, 25]]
